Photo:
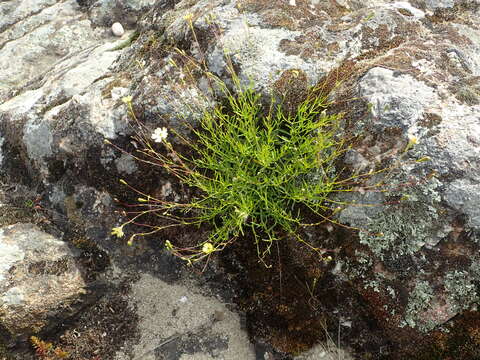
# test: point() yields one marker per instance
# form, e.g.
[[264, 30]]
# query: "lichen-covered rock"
[[415, 262], [34, 35], [107, 12], [405, 73], [54, 115], [415, 67], [42, 119], [40, 282]]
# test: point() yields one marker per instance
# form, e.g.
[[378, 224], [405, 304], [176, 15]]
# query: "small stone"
[[117, 29]]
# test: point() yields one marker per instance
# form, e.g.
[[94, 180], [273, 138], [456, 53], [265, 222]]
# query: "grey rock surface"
[[327, 351], [414, 113], [107, 12], [72, 86], [39, 280], [178, 322], [34, 35], [406, 76]]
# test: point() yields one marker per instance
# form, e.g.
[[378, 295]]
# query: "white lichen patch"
[[418, 302], [38, 138], [117, 93], [13, 296], [460, 289], [464, 196], [407, 6], [405, 228], [398, 99], [439, 4], [9, 255]]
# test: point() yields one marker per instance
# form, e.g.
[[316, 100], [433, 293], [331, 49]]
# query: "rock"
[[434, 4], [403, 72], [415, 67], [36, 34], [39, 280], [106, 12], [327, 351], [403, 245], [117, 29], [194, 331], [37, 117]]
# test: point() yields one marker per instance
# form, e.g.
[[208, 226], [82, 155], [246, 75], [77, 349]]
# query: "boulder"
[[40, 282]]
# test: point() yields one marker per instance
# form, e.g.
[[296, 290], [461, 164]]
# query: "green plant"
[[255, 171], [255, 168]]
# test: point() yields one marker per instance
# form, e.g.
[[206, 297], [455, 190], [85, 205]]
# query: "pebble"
[[117, 29]]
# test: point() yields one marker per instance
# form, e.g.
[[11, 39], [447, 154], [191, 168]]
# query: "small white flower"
[[160, 134]]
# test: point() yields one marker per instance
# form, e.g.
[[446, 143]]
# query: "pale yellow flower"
[[207, 248], [118, 231], [127, 99], [412, 139]]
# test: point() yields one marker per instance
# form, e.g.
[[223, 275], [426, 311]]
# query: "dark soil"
[[297, 302], [100, 331]]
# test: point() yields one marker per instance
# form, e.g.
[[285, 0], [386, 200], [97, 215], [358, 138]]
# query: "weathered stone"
[[34, 35], [39, 280], [427, 206], [107, 12], [405, 73], [39, 114], [202, 327]]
